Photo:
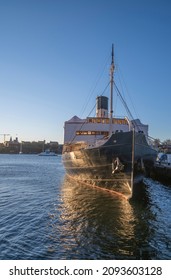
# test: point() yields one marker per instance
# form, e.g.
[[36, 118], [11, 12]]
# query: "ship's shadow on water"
[[100, 225]]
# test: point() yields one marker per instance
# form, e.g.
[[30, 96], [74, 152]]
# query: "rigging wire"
[[99, 76], [120, 76], [124, 102], [90, 112], [126, 107]]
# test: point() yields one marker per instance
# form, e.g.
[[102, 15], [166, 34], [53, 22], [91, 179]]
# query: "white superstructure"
[[91, 129]]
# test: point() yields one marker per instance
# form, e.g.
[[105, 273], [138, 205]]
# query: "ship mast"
[[112, 67]]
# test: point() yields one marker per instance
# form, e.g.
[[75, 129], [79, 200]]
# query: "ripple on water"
[[44, 216]]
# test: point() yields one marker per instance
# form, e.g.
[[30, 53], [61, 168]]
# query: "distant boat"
[[105, 151], [47, 153]]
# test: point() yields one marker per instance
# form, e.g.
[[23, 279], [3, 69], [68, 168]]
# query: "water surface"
[[44, 215]]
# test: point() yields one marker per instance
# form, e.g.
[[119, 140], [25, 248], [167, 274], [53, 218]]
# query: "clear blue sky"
[[53, 51]]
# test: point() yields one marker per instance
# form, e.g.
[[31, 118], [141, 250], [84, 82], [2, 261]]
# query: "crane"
[[5, 134]]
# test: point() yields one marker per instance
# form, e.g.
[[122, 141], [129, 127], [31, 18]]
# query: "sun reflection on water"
[[96, 224]]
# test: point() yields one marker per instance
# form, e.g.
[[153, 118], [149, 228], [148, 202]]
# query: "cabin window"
[[98, 120], [106, 121], [120, 121], [92, 133]]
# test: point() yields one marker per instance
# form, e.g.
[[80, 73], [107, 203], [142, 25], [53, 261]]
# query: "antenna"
[[112, 67]]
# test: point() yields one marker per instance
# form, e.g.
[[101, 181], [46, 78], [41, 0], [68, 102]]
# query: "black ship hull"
[[115, 165]]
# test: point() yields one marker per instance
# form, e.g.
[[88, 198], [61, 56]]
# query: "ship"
[[47, 153], [108, 152]]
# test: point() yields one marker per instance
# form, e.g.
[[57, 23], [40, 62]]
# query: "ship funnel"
[[102, 107]]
